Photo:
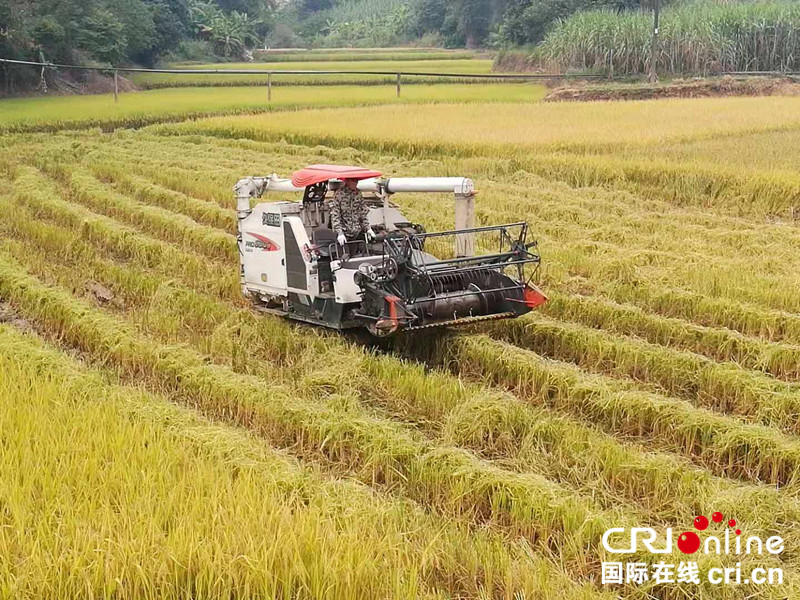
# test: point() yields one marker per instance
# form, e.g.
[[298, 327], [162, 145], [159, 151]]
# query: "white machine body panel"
[[344, 286], [263, 248]]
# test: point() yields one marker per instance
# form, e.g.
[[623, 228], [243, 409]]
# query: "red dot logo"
[[688, 542], [738, 532], [700, 522], [732, 523], [717, 517]]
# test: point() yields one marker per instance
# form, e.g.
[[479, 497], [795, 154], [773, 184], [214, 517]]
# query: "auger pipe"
[[453, 185], [392, 185]]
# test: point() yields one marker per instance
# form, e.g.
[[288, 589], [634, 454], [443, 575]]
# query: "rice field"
[[179, 104], [360, 54], [449, 64], [160, 439], [740, 153]]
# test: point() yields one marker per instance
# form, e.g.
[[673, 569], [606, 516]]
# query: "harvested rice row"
[[770, 325], [720, 443], [737, 282], [83, 188], [723, 502], [778, 359], [723, 387], [137, 187], [491, 423], [689, 416], [162, 308], [214, 484], [377, 450], [42, 198]]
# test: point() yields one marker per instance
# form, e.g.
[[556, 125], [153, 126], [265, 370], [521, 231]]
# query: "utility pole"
[[116, 84], [654, 45]]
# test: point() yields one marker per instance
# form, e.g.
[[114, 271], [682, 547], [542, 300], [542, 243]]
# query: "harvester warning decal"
[[261, 242]]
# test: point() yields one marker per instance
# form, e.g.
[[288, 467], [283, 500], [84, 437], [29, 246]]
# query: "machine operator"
[[349, 213]]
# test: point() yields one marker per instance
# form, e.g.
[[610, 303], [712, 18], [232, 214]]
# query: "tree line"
[[451, 23], [143, 32], [114, 32]]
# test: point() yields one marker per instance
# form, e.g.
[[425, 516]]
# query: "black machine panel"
[[295, 265]]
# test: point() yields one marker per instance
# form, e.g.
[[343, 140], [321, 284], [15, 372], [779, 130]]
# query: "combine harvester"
[[403, 280]]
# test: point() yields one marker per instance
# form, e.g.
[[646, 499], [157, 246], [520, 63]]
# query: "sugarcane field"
[[369, 299]]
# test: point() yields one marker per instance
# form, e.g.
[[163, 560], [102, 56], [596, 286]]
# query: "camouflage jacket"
[[348, 212]]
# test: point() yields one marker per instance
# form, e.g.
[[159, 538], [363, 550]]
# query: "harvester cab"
[[405, 279]]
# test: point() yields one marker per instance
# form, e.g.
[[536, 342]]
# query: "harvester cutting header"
[[344, 256]]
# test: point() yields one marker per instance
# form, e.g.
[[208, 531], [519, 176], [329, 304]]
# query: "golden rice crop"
[[660, 382], [633, 131], [185, 311], [177, 477], [487, 422], [52, 113], [484, 407], [777, 359]]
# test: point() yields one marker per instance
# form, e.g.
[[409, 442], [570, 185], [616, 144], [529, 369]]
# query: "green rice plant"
[[466, 66], [133, 110]]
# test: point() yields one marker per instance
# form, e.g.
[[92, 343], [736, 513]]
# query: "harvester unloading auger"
[[403, 280]]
